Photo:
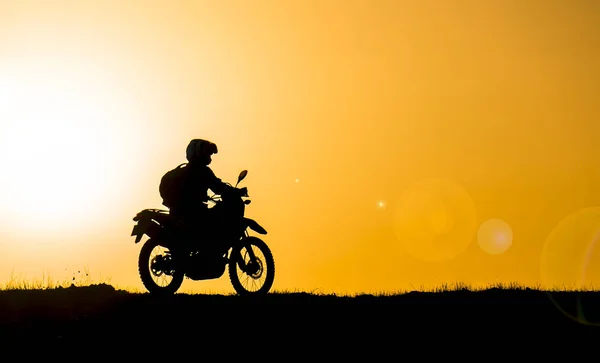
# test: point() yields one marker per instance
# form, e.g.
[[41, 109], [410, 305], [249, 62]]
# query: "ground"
[[101, 316]]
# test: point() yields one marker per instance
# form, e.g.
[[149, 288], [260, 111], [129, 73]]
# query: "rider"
[[193, 209]]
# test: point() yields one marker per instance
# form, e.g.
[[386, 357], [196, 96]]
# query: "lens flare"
[[494, 236], [569, 250], [570, 261], [435, 220]]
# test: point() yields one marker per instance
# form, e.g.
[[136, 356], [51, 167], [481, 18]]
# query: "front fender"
[[253, 225]]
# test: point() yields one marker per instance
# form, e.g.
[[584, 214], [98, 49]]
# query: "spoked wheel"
[[252, 267], [157, 269]]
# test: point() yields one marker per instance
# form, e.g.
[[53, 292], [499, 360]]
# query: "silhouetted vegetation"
[[97, 315], [78, 277]]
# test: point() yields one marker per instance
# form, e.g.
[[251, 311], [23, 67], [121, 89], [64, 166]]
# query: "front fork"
[[246, 267]]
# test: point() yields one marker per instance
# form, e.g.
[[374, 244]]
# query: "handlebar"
[[242, 192]]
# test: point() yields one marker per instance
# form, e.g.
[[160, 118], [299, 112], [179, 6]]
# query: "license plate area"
[[139, 229]]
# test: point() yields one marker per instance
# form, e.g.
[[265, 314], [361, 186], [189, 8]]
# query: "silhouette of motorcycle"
[[228, 244]]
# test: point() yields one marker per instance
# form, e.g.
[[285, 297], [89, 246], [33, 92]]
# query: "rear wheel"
[[248, 275], [158, 270]]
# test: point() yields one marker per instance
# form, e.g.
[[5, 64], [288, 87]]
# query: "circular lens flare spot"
[[494, 236], [435, 220], [569, 258]]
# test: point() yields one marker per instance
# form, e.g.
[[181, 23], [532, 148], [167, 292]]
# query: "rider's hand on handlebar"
[[244, 191]]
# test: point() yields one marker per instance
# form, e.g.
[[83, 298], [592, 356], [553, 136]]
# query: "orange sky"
[[361, 101]]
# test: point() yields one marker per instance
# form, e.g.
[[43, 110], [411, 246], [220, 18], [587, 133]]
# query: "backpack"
[[172, 185]]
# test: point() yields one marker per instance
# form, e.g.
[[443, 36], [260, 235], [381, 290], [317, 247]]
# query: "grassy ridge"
[[101, 314]]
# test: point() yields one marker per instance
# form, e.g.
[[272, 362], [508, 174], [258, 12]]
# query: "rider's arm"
[[215, 184]]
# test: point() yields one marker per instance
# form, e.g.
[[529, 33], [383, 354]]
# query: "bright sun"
[[56, 145]]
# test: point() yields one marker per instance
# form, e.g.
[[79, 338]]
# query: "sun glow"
[[59, 144]]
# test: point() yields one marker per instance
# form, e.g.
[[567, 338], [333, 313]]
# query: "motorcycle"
[[229, 245]]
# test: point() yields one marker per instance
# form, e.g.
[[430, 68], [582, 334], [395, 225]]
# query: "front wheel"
[[157, 270], [252, 267]]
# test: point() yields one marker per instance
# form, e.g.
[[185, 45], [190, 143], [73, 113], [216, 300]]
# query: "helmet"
[[198, 148]]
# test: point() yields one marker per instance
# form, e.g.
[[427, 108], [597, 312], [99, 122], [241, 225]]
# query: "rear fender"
[[141, 215]]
